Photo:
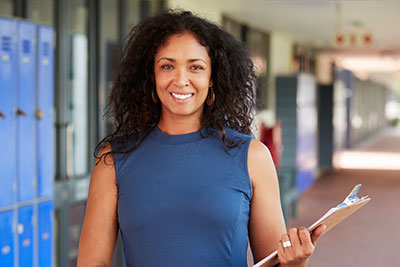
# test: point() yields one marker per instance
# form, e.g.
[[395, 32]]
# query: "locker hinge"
[[20, 112], [39, 114]]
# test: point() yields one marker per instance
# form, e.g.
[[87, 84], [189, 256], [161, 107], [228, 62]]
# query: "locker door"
[[25, 236], [6, 239], [7, 120], [46, 236], [25, 110], [45, 106]]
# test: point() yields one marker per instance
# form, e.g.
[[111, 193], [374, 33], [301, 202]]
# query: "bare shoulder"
[[105, 157], [98, 237], [260, 163], [257, 149], [103, 182], [266, 223], [104, 166]]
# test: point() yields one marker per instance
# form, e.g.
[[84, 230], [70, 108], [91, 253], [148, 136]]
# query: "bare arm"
[[267, 230], [100, 226], [266, 225]]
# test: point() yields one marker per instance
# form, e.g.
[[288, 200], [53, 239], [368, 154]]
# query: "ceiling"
[[316, 22]]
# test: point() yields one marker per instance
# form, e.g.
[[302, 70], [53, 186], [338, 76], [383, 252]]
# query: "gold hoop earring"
[[210, 97], [154, 97]]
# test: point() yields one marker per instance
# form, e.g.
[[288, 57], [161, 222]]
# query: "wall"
[[368, 110], [280, 64], [206, 10]]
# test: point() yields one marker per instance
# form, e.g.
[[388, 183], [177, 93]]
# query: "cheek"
[[203, 84], [201, 81], [162, 80]]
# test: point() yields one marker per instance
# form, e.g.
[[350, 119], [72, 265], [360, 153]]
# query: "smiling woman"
[[183, 77], [181, 177]]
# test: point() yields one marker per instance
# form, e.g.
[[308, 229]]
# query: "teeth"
[[181, 96]]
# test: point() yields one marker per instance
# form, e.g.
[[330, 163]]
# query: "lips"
[[181, 98]]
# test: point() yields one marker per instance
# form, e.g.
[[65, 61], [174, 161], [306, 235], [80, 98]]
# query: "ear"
[[211, 83]]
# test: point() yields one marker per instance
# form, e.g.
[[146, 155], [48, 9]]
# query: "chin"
[[185, 112]]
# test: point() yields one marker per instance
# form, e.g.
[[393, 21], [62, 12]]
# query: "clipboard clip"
[[352, 197]]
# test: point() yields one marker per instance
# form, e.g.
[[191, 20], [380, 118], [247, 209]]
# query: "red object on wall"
[[272, 138], [339, 39], [367, 38]]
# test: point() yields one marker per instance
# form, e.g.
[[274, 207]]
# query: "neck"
[[179, 125]]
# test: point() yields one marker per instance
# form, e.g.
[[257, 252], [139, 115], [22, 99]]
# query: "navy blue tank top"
[[184, 200]]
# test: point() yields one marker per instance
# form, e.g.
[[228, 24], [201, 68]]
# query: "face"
[[182, 70]]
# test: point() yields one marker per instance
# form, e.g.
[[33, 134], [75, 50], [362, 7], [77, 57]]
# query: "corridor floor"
[[371, 236]]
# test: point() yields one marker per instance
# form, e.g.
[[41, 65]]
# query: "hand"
[[302, 246]]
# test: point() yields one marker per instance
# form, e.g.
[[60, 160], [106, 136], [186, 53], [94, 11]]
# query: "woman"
[[181, 177]]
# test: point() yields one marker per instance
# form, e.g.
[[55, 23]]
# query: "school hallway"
[[371, 236]]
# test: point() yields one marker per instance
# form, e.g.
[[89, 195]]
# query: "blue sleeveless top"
[[184, 200]]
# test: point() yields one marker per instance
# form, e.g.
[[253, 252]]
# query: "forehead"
[[182, 45]]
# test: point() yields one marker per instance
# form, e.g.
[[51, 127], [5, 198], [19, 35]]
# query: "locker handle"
[[20, 112], [39, 114], [2, 115]]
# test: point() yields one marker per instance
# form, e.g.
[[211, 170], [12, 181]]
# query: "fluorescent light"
[[366, 160]]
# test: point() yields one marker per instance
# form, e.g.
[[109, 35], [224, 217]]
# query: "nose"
[[181, 78]]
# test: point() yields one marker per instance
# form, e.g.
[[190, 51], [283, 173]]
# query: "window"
[[41, 11], [6, 8], [110, 48], [77, 132]]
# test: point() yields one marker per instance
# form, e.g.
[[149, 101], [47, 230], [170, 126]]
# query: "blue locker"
[[7, 117], [6, 239], [26, 64], [44, 110], [46, 234], [25, 236]]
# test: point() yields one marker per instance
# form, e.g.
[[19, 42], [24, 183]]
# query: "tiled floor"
[[371, 236]]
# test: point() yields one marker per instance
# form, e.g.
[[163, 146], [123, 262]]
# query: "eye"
[[167, 66], [197, 67]]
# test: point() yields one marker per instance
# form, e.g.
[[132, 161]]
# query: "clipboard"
[[331, 218]]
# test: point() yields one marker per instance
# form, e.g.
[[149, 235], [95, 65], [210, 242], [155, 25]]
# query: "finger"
[[308, 246], [317, 233], [280, 247], [294, 237], [284, 239], [284, 254], [304, 235], [281, 253]]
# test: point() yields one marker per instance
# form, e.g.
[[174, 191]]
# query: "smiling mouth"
[[182, 96]]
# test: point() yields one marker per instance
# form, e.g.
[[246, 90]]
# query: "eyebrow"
[[190, 60]]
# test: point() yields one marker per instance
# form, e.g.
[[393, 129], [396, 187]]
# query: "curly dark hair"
[[131, 107]]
